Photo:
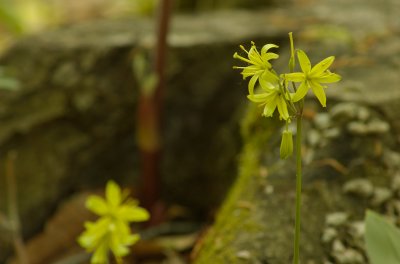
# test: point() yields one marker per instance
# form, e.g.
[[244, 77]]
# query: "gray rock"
[[363, 113], [392, 159], [313, 137], [380, 196], [396, 182], [336, 218], [244, 254], [338, 246], [359, 187], [331, 133], [344, 111], [357, 229], [322, 120], [349, 256], [378, 127], [395, 206], [269, 189], [329, 234], [357, 128]]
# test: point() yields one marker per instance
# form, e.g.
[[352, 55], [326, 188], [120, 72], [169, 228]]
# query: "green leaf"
[[9, 84], [9, 19], [382, 240], [139, 66], [149, 84]]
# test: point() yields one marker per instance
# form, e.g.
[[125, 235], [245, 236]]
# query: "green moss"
[[237, 210]]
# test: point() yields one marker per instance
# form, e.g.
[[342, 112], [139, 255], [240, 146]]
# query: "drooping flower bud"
[[286, 144]]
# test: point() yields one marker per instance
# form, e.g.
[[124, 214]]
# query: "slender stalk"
[[292, 60], [164, 19], [149, 114], [14, 220], [298, 190]]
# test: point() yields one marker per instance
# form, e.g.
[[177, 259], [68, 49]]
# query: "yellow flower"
[[111, 232], [312, 77], [271, 98], [259, 65]]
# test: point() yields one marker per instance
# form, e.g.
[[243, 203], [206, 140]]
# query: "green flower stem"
[[298, 189], [292, 60]]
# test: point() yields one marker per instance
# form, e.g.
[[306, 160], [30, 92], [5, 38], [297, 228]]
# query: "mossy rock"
[[256, 221]]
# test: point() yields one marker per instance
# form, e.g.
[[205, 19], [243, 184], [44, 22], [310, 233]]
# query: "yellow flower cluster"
[[274, 92], [111, 232]]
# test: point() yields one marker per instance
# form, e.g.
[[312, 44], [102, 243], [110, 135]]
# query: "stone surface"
[[366, 51], [359, 187]]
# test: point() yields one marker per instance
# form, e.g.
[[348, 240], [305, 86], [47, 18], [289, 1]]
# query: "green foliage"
[[9, 19], [382, 240], [6, 82], [111, 232], [142, 71], [143, 7]]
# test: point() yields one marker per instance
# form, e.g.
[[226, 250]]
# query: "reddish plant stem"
[[149, 114], [164, 17]]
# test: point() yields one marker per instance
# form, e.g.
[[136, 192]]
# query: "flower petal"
[[254, 56], [269, 56], [259, 98], [266, 47], [133, 214], [282, 108], [319, 92], [301, 92], [252, 82], [328, 78], [250, 70], [294, 77], [266, 86], [269, 76], [100, 255], [322, 66], [304, 61], [113, 193], [97, 205], [269, 108]]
